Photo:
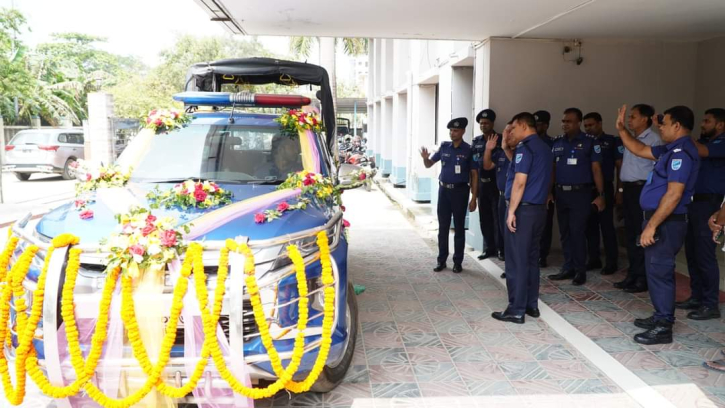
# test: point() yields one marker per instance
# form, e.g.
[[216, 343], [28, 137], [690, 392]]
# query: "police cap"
[[542, 116], [486, 114], [458, 123]]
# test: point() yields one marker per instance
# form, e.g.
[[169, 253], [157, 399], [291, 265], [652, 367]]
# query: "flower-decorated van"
[[207, 266]]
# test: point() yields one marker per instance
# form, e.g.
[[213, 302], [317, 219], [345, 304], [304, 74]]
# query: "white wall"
[[527, 75], [710, 82]]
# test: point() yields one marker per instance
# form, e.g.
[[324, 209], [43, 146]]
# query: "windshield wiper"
[[265, 182], [195, 179]]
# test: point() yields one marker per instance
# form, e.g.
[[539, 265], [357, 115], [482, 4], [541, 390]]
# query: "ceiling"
[[680, 20]]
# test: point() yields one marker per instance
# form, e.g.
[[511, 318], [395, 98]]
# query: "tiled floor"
[[428, 339]]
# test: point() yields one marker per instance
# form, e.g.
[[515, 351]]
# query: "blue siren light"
[[240, 99]]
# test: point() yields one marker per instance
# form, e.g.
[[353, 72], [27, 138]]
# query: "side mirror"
[[353, 176]]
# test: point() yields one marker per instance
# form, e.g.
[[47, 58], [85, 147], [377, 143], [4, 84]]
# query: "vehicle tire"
[[332, 376], [69, 173], [23, 176]]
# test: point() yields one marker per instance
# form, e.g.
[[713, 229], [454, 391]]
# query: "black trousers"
[[452, 202], [522, 262], [660, 266], [700, 251], [545, 246], [502, 213], [604, 222], [573, 209], [488, 216], [633, 219]]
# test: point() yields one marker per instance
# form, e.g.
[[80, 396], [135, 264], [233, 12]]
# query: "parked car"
[[44, 151], [234, 149]]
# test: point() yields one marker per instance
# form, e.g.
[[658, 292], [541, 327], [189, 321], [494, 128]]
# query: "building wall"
[[710, 81]]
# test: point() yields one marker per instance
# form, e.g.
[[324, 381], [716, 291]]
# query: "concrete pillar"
[[422, 109], [66, 122], [387, 135], [377, 130], [445, 114], [100, 114], [399, 139], [35, 122], [86, 139]]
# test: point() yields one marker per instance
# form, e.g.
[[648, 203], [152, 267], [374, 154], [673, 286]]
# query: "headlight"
[[306, 245]]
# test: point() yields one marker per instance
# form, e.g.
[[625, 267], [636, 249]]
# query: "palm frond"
[[302, 46]]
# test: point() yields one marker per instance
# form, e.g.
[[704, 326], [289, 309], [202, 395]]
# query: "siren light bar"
[[241, 99]]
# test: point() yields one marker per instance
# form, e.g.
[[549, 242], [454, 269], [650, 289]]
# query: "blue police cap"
[[458, 123], [542, 116], [486, 114]]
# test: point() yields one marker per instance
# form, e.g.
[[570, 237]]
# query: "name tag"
[[458, 169], [571, 161]]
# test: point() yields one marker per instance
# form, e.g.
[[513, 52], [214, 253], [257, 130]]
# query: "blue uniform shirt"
[[478, 145], [548, 140], [574, 159], [533, 158], [452, 159], [499, 158], [612, 150], [711, 178], [676, 162]]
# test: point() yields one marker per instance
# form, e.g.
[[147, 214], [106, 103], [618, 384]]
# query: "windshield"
[[31, 138], [223, 153]]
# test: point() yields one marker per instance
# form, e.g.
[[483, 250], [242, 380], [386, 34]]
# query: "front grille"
[[248, 323]]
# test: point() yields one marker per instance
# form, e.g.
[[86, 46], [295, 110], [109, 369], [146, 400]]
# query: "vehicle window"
[[30, 138], [76, 138], [222, 153], [63, 138]]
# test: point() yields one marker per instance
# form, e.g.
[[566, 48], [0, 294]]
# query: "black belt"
[[523, 203], [708, 197], [634, 183], [574, 187], [486, 180], [672, 217], [451, 186]]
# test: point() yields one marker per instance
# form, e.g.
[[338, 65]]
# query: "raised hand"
[[622, 112], [491, 142], [424, 153]]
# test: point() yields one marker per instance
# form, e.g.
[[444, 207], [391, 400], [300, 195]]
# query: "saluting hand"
[[511, 222], [472, 205], [622, 112], [424, 153], [491, 142]]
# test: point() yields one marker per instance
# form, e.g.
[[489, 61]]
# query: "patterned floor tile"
[[424, 355], [627, 328], [543, 337], [568, 369], [557, 297], [436, 372], [483, 388], [391, 373], [549, 352], [468, 354], [582, 318], [600, 305], [443, 389], [639, 360], [396, 390], [708, 354], [664, 376], [378, 356], [460, 339], [424, 326], [346, 394], [617, 344], [485, 371], [698, 340], [382, 340], [357, 374], [615, 316], [705, 377], [680, 358], [707, 326], [420, 339], [591, 386], [509, 353], [451, 326], [524, 370], [599, 330], [567, 307], [497, 338], [586, 296], [546, 387]]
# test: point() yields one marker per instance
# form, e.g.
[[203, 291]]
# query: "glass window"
[[63, 138], [77, 138], [30, 138]]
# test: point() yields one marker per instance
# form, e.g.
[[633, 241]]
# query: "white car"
[[44, 151]]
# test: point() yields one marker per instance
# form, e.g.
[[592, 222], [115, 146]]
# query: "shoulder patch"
[[676, 150], [676, 164], [597, 149], [621, 149], [519, 156]]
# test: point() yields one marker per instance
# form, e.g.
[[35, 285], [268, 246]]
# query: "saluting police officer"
[[527, 190], [542, 129], [664, 200], [578, 176], [612, 150], [487, 192], [709, 193], [458, 177], [497, 157]]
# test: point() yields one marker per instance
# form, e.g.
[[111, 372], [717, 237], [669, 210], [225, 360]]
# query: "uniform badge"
[[597, 149], [717, 141], [455, 124], [676, 164], [484, 115], [621, 149], [519, 156]]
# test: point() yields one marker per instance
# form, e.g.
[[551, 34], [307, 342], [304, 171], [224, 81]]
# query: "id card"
[[571, 161], [458, 169]]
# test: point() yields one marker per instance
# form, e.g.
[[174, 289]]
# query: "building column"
[[422, 106], [100, 114], [378, 146], [387, 136], [35, 122], [399, 139]]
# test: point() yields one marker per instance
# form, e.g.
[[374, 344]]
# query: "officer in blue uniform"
[[487, 191], [543, 119], [578, 178], [700, 249], [497, 157], [664, 200], [612, 151], [459, 173], [527, 190]]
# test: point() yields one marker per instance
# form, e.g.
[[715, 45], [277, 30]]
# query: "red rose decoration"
[[363, 176], [283, 206], [149, 228], [150, 218], [345, 223], [200, 195], [158, 122], [88, 177], [80, 203], [136, 250], [168, 238], [343, 208], [86, 214], [308, 181], [259, 218]]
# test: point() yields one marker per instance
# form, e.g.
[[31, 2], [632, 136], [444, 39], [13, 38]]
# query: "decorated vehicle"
[[207, 266]]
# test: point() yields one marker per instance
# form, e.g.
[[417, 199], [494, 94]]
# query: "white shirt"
[[635, 168]]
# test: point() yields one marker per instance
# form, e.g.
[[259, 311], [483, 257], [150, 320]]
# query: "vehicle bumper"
[[31, 168]]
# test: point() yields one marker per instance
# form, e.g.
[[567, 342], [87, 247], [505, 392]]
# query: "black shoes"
[[595, 264], [660, 334], [624, 283], [506, 316], [637, 287], [542, 263], [503, 275], [579, 279], [501, 256], [647, 324], [439, 267], [609, 270], [704, 313], [563, 275], [533, 311], [457, 268], [689, 304], [487, 254]]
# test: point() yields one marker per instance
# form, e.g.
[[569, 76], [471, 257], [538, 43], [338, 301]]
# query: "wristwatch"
[[620, 189]]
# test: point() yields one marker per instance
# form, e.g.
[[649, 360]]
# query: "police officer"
[[709, 193], [458, 171], [527, 189], [612, 150], [487, 192], [635, 171], [542, 129], [497, 158], [664, 200], [578, 176]]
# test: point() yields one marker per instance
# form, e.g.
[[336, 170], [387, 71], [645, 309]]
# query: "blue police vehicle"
[[244, 153]]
